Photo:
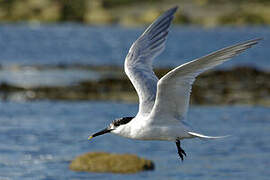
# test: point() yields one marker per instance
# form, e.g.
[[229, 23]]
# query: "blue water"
[[31, 77], [108, 45], [39, 139]]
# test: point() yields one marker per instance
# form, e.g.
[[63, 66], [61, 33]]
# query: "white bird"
[[163, 104]]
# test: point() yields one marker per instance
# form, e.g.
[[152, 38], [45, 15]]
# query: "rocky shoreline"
[[240, 85], [207, 13]]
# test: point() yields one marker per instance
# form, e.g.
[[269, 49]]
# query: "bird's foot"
[[180, 151]]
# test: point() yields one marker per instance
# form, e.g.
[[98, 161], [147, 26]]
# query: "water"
[[68, 44], [81, 44], [38, 140], [32, 77]]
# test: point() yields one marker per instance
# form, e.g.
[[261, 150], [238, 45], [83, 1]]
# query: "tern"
[[163, 103]]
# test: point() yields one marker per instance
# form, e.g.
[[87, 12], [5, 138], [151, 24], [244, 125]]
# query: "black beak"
[[104, 131]]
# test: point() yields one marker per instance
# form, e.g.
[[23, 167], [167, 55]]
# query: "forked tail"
[[206, 137]]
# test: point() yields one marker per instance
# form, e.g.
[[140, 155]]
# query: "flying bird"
[[163, 103]]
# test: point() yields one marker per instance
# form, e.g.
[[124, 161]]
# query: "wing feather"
[[173, 91], [138, 63]]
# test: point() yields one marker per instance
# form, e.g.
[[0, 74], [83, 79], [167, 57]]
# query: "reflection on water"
[[32, 77], [38, 139]]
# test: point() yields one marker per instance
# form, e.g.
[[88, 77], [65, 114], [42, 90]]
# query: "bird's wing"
[[138, 63], [173, 89]]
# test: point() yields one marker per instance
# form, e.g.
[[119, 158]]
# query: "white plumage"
[[163, 104]]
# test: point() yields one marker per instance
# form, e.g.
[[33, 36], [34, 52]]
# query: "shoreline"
[[207, 13], [239, 85]]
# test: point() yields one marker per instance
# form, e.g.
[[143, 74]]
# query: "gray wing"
[[174, 88], [138, 63]]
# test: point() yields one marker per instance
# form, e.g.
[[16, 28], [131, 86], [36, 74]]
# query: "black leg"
[[180, 150]]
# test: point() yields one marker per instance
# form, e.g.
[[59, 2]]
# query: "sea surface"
[[25, 46], [39, 139], [28, 44]]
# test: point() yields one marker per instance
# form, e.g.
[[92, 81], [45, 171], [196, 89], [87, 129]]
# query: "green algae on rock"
[[102, 162]]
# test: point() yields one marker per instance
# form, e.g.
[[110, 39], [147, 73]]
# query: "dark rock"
[[242, 85]]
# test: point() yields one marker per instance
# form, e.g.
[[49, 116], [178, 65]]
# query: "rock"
[[242, 85], [150, 15], [96, 14], [102, 162], [34, 10], [243, 17], [208, 13], [72, 10], [182, 18]]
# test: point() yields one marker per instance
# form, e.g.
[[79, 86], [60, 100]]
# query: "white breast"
[[141, 129]]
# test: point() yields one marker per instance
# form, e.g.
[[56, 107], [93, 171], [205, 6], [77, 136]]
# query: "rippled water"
[[108, 45], [38, 140]]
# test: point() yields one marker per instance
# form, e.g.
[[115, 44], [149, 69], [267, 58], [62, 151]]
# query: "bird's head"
[[114, 127]]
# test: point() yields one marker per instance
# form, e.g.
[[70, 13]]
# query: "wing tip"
[[174, 8], [258, 39], [254, 41]]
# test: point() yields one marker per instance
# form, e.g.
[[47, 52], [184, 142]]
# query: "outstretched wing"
[[138, 63], [174, 88]]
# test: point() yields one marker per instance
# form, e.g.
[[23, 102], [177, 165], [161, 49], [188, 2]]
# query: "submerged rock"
[[102, 162]]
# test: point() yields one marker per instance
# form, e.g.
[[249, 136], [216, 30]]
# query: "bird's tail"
[[206, 137]]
